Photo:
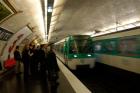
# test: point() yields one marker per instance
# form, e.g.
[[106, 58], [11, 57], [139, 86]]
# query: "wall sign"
[[4, 34], [15, 40], [4, 11]]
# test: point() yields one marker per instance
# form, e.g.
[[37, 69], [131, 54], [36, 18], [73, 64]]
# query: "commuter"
[[36, 60], [52, 65], [31, 53], [17, 57], [52, 69], [42, 62], [25, 60]]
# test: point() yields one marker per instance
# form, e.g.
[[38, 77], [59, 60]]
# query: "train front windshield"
[[80, 45]]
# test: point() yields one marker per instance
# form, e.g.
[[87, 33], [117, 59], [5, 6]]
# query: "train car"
[[77, 51], [121, 50]]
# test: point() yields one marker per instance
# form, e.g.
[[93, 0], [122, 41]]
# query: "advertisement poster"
[[15, 40]]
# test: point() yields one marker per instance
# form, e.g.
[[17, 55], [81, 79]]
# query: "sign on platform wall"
[[15, 40], [5, 34], [4, 11]]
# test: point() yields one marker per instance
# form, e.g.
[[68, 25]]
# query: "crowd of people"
[[38, 61]]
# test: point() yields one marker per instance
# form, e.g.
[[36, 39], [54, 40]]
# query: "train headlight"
[[89, 55], [75, 55]]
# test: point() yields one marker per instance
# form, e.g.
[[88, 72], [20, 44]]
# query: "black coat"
[[17, 55], [25, 56], [41, 55], [52, 62]]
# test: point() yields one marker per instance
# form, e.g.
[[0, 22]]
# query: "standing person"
[[17, 57], [31, 60], [42, 63], [36, 60], [52, 69], [25, 60]]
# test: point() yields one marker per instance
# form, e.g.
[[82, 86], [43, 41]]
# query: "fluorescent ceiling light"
[[90, 33], [129, 26], [58, 7], [46, 8], [112, 30], [50, 9], [120, 28], [137, 23], [129, 21]]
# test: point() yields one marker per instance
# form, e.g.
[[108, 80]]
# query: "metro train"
[[77, 51], [120, 50]]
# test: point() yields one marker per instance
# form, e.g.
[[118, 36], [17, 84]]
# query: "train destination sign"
[[4, 34]]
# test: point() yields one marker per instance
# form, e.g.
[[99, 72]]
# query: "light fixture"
[[46, 13], [118, 28], [128, 26], [137, 23], [50, 9], [57, 9], [89, 55], [75, 55], [112, 30]]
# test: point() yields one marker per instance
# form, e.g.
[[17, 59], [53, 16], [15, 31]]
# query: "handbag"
[[9, 63]]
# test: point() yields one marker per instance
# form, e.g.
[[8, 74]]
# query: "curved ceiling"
[[87, 16], [25, 13], [71, 17]]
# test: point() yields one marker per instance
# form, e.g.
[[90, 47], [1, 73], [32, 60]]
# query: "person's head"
[[17, 47], [38, 47], [31, 46], [41, 46]]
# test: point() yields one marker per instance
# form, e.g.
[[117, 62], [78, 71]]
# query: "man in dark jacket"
[[52, 69], [17, 57], [25, 60], [41, 58], [51, 60]]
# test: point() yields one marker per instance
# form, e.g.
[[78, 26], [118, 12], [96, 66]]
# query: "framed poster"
[[5, 34], [5, 10]]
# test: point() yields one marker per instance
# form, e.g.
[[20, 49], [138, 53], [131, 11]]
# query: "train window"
[[81, 46], [124, 46], [128, 46], [98, 47], [73, 47]]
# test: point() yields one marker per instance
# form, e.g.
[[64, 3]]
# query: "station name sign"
[[4, 34]]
